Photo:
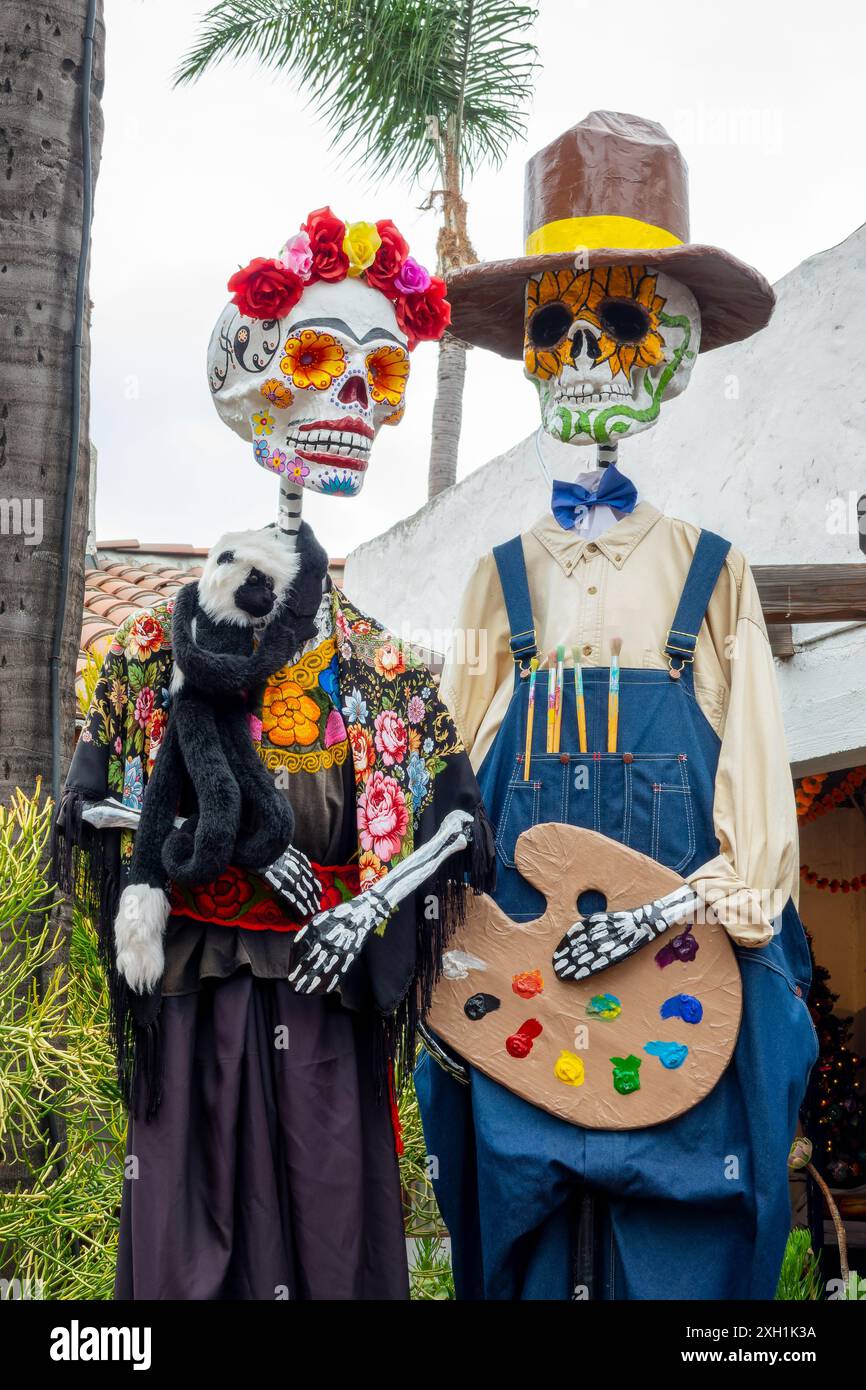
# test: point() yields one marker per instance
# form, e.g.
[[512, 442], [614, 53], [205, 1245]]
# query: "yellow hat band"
[[595, 233]]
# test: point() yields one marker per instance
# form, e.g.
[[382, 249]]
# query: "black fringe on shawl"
[[86, 866], [473, 870]]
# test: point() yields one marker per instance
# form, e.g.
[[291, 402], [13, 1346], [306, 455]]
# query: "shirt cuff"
[[738, 907]]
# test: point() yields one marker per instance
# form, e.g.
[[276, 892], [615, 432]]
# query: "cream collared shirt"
[[627, 582]]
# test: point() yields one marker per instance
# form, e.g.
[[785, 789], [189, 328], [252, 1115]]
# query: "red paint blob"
[[520, 1043]]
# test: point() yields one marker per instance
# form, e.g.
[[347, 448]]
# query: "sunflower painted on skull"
[[311, 356], [606, 346]]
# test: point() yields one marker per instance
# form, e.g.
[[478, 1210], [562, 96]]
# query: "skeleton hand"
[[330, 943], [606, 938], [292, 878]]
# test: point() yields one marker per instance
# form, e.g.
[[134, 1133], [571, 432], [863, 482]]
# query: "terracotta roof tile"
[[112, 592]]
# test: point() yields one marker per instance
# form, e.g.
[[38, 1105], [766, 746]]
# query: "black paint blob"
[[480, 1004]]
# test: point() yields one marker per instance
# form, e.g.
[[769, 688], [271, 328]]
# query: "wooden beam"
[[781, 639], [812, 593]]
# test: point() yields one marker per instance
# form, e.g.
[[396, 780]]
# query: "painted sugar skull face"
[[605, 347], [311, 390]]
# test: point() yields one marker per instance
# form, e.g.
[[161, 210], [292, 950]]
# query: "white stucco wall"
[[767, 446]]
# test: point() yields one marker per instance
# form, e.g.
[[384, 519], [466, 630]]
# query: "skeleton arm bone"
[[605, 939], [331, 942]]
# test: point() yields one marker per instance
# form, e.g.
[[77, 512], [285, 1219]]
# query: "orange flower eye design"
[[620, 302], [313, 360], [277, 393], [387, 374]]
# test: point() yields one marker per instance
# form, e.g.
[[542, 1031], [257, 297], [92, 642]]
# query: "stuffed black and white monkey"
[[252, 586]]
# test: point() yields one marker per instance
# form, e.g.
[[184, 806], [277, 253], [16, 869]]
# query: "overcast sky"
[[765, 98]]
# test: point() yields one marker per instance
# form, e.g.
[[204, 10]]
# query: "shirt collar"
[[568, 548]]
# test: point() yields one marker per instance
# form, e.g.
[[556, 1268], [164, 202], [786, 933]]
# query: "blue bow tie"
[[571, 502]]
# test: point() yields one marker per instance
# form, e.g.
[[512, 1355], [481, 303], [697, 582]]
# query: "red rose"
[[389, 258], [223, 900], [425, 315], [326, 233], [265, 289]]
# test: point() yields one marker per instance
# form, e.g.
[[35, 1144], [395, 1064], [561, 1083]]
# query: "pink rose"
[[382, 816], [144, 706], [297, 255], [391, 737], [412, 278]]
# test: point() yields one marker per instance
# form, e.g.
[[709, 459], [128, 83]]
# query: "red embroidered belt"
[[241, 899]]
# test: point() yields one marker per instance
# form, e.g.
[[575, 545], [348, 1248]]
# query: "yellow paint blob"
[[569, 1068]]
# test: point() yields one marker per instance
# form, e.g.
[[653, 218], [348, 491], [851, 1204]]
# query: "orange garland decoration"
[[810, 807]]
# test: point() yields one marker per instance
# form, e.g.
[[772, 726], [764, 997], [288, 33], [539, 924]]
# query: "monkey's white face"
[[245, 576], [311, 391]]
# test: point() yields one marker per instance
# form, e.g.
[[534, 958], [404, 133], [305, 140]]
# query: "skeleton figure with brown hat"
[[643, 635]]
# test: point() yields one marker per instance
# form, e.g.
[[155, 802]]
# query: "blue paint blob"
[[670, 1054], [684, 1006]]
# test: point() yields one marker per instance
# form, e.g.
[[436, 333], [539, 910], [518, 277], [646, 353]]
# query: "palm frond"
[[377, 71]]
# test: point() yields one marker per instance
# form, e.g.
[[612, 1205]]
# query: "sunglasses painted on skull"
[[618, 307]]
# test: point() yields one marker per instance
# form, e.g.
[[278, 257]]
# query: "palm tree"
[[44, 373], [51, 82], [410, 88]]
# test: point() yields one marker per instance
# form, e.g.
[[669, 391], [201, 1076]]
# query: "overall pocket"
[[543, 798], [639, 799], [660, 818]]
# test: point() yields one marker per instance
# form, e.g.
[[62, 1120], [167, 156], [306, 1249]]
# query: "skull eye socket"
[[624, 320], [548, 325]]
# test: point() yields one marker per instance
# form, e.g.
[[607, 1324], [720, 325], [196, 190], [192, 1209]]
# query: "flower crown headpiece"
[[327, 249]]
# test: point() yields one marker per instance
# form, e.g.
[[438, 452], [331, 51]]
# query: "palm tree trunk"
[[447, 415], [454, 250], [41, 199], [41, 218]]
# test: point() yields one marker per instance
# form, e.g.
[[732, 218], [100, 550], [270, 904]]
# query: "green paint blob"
[[625, 1074]]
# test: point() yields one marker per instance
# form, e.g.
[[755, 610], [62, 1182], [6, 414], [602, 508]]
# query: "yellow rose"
[[569, 1068], [360, 244]]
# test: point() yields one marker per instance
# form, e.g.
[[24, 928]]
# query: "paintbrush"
[[613, 694], [557, 723], [530, 717], [579, 702], [551, 700]]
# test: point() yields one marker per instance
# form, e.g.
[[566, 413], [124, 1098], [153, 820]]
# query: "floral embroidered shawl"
[[410, 770]]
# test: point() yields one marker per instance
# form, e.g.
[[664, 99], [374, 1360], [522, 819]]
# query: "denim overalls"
[[696, 1208]]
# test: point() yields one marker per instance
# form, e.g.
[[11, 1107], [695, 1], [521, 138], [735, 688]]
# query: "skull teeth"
[[588, 394], [332, 442]]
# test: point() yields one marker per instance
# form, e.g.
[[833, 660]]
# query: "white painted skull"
[[605, 347], [311, 391]]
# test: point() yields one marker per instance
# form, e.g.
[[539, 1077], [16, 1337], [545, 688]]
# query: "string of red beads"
[[833, 885]]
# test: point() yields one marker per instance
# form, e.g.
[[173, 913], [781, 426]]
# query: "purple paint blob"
[[684, 947], [684, 1006]]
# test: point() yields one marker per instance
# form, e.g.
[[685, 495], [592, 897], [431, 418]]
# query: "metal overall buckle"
[[677, 652]]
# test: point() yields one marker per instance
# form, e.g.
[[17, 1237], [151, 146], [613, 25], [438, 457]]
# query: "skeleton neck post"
[[607, 454], [289, 511]]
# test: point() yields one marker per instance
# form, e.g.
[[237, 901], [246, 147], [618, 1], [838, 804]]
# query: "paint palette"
[[634, 1045]]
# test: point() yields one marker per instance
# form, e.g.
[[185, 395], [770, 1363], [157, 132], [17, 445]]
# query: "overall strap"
[[515, 587], [706, 566]]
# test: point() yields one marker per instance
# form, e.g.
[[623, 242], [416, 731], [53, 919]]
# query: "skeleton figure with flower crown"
[[261, 1068]]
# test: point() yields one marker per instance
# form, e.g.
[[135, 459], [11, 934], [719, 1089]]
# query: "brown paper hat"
[[614, 186]]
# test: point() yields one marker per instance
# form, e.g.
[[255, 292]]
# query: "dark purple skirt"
[[269, 1171]]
